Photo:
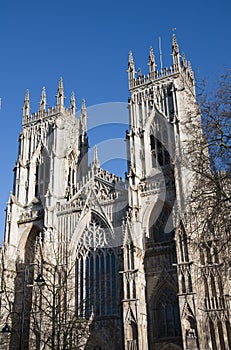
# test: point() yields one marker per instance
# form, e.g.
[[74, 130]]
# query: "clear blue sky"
[[87, 43]]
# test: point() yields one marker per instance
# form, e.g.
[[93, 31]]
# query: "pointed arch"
[[161, 139], [29, 235], [83, 222], [96, 269], [161, 224], [132, 335], [41, 165], [29, 264], [71, 180]]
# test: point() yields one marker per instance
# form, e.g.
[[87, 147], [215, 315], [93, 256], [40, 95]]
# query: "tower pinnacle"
[[175, 54], [42, 105], [84, 116], [73, 103], [60, 94], [131, 67], [151, 62], [96, 162], [26, 105]]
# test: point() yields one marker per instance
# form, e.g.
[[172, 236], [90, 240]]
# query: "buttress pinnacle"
[[131, 65], [96, 162], [84, 116], [175, 54], [151, 62], [43, 102], [60, 94], [73, 103], [26, 105]]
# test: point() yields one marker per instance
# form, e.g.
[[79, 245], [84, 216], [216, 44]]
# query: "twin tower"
[[118, 268]]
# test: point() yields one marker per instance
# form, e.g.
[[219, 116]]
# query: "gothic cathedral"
[[92, 261]]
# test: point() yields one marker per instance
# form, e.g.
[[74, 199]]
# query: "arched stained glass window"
[[168, 315], [96, 273]]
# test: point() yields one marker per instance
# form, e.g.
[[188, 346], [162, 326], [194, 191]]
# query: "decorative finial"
[[151, 62], [72, 103], [60, 94], [96, 162], [83, 109], [175, 48], [175, 54], [61, 83], [83, 117], [26, 105], [131, 65], [190, 70], [184, 62], [43, 103]]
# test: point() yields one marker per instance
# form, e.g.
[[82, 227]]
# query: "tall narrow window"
[[160, 155], [96, 272], [42, 174], [159, 231], [168, 315]]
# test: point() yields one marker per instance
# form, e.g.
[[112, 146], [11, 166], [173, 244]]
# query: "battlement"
[[156, 75], [59, 109], [179, 66], [51, 112]]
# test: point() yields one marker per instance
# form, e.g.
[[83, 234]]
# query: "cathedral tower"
[[157, 109], [93, 262]]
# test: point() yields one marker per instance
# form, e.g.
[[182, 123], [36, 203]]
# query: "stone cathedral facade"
[[91, 261]]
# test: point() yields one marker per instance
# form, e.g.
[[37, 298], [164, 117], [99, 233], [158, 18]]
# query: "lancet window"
[[168, 324], [159, 142], [42, 174], [161, 231], [71, 178]]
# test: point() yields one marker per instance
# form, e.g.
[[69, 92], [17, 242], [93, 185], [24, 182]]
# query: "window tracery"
[[96, 270]]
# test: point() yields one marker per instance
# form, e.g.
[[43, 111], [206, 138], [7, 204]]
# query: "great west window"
[[96, 271]]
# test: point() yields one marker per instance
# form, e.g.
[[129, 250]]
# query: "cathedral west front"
[[93, 261]]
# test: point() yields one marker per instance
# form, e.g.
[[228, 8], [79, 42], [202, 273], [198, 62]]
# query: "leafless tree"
[[39, 307], [208, 157]]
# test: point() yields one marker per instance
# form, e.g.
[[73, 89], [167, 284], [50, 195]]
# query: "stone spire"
[[84, 116], [43, 101], [151, 62], [60, 94], [95, 162], [73, 103], [190, 71], [131, 67], [26, 105], [184, 62], [175, 54]]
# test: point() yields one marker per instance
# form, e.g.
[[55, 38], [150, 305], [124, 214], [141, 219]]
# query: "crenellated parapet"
[[44, 113], [179, 66], [36, 117]]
